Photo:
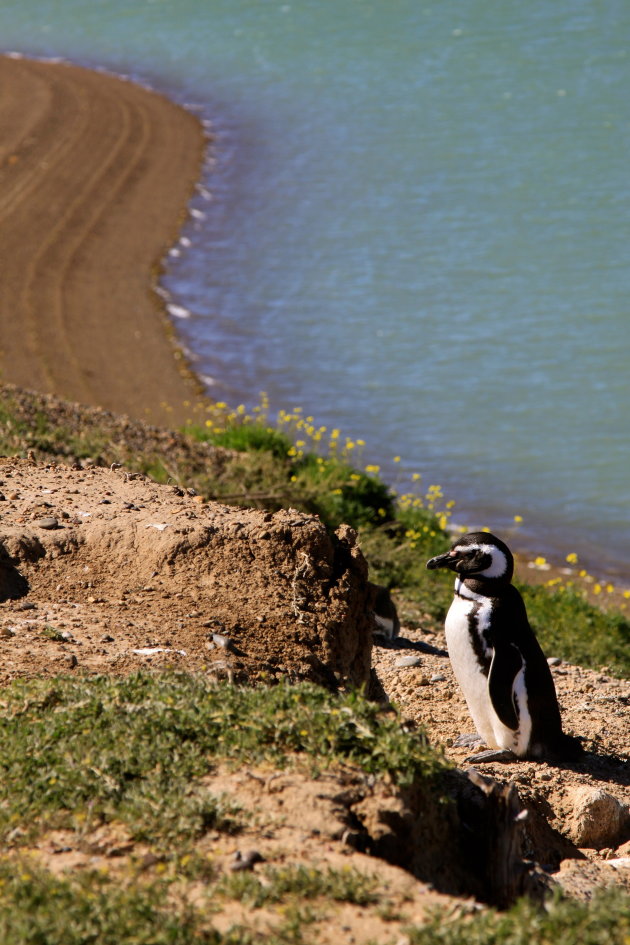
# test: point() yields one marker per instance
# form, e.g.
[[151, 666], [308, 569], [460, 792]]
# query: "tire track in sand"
[[95, 173]]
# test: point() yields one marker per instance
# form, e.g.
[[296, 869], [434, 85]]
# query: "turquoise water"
[[419, 230]]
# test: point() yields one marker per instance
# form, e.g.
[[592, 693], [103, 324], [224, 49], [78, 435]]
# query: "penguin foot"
[[492, 754], [473, 740]]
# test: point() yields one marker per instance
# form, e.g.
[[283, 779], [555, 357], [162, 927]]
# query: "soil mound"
[[110, 571]]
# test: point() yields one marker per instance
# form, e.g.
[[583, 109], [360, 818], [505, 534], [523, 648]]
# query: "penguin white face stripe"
[[499, 564]]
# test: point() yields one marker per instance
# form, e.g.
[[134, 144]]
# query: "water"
[[420, 231]]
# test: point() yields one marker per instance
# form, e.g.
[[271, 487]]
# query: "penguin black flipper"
[[507, 663], [547, 740]]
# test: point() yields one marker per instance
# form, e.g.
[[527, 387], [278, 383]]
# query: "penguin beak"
[[447, 560]]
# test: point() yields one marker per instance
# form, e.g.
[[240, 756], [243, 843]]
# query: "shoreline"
[[121, 164], [96, 173]]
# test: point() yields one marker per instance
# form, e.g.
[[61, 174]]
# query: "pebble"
[[7, 632], [554, 661], [220, 640], [438, 677], [48, 522], [405, 661], [71, 660]]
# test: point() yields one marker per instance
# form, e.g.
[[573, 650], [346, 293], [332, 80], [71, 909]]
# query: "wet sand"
[[95, 177]]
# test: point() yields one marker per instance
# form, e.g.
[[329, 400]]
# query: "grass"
[[37, 908], [567, 625], [79, 753], [328, 487], [603, 921], [299, 882]]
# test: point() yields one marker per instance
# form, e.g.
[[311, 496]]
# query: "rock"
[[579, 878], [597, 818], [47, 523], [403, 661]]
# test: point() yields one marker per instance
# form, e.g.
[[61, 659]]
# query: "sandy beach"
[[95, 176]]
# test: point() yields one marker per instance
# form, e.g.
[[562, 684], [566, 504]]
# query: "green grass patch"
[[245, 438], [329, 487], [82, 752], [603, 921], [568, 626], [37, 908], [299, 882], [39, 431], [338, 493]]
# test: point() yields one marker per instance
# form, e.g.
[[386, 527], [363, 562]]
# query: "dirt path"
[[95, 175]]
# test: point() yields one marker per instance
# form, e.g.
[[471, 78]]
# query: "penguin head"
[[477, 555]]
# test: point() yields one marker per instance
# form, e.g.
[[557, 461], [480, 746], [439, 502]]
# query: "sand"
[[95, 176]]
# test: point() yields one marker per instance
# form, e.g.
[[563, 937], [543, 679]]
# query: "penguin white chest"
[[466, 650], [471, 656]]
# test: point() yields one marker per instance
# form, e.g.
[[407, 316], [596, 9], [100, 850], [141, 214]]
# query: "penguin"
[[385, 614], [497, 660]]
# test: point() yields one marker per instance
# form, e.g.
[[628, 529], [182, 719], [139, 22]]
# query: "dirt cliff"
[[130, 573]]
